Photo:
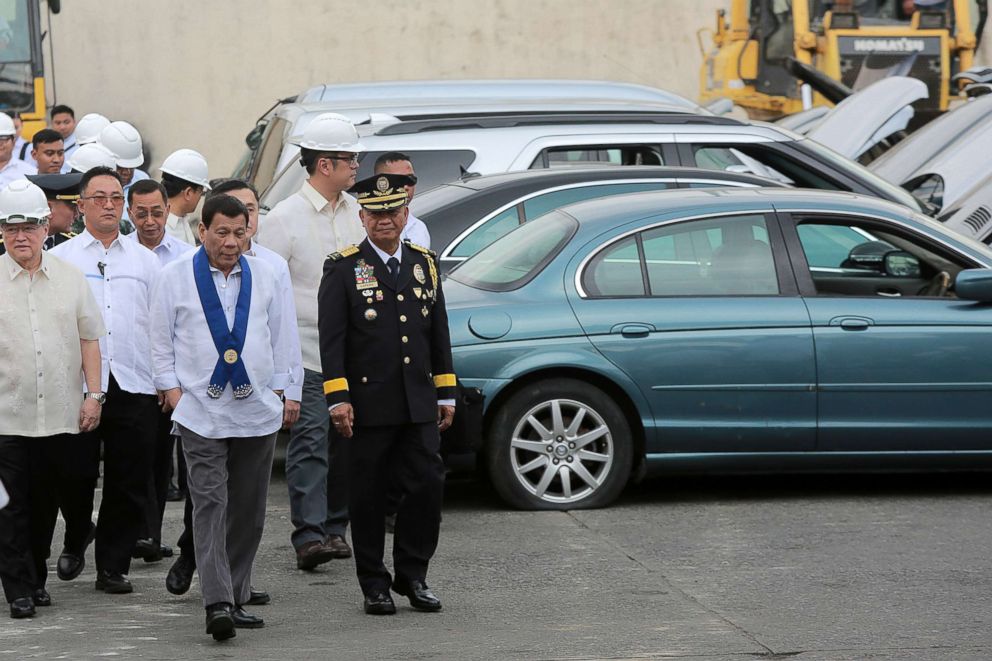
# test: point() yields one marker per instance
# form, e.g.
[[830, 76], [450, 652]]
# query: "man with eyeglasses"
[[49, 330], [319, 219], [148, 208], [121, 274], [11, 169], [62, 192]]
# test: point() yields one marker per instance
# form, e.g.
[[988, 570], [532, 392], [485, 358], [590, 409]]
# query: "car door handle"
[[891, 293], [854, 324], [633, 330]]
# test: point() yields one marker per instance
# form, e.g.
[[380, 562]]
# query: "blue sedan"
[[723, 330]]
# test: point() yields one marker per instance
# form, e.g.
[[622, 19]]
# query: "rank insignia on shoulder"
[[347, 251], [414, 246]]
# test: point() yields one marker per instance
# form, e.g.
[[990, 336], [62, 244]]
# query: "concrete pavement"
[[892, 567]]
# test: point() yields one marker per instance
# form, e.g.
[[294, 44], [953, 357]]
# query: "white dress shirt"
[[184, 354], [123, 293], [294, 391], [303, 229], [168, 250], [179, 227], [416, 232], [42, 320], [14, 170]]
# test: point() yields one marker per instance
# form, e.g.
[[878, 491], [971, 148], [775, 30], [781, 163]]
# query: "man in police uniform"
[[62, 191], [389, 386]]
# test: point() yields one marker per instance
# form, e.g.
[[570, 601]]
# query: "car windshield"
[[856, 171], [515, 259]]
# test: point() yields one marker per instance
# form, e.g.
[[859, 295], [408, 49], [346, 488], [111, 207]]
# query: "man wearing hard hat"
[[11, 169], [42, 375], [303, 229], [184, 175]]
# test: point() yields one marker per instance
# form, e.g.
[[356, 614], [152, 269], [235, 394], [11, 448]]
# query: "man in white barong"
[[220, 356]]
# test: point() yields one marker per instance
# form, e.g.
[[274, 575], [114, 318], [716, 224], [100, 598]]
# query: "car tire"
[[582, 462]]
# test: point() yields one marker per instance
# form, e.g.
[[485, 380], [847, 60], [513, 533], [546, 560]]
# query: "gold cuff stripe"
[[335, 385], [445, 381]]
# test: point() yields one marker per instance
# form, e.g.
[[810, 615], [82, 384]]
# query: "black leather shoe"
[[419, 594], [22, 607], [165, 550], [174, 495], [113, 583], [379, 603], [148, 550], [180, 575], [258, 598], [40, 597], [245, 620], [220, 623], [71, 562]]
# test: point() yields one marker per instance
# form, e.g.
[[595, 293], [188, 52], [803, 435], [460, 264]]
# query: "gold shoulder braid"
[[430, 260], [347, 251]]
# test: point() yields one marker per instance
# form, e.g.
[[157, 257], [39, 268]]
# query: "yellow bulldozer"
[[760, 48]]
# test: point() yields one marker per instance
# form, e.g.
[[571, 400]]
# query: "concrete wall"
[[197, 73]]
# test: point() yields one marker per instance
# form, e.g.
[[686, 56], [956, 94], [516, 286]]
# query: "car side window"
[[727, 256], [483, 235], [558, 157], [849, 257], [539, 205]]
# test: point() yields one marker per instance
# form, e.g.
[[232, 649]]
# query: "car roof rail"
[[413, 124]]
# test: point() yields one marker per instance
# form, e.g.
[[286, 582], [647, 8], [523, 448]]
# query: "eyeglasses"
[[142, 214], [350, 160], [103, 199], [27, 226]]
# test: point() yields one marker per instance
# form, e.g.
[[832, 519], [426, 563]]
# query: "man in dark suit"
[[388, 381]]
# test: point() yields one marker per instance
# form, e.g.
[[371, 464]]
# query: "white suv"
[[446, 148]]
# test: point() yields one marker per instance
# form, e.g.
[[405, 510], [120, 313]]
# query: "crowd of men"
[[151, 322]]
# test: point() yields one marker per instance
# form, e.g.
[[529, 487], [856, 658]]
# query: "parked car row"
[[636, 284]]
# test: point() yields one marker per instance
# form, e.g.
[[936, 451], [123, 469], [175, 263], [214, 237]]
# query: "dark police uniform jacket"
[[50, 241], [384, 348]]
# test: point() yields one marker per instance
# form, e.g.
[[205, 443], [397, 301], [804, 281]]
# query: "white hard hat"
[[88, 128], [331, 132], [125, 142], [90, 156], [7, 125], [188, 165], [23, 202]]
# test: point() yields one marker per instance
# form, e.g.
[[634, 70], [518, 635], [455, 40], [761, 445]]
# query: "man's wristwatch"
[[100, 397]]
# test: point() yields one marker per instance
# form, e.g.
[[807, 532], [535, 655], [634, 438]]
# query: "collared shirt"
[[168, 250], [184, 354], [294, 391], [14, 170], [42, 320], [121, 278], [179, 227], [303, 229], [416, 232]]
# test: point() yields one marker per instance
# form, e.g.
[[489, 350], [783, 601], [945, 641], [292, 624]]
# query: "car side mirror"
[[974, 285], [901, 264]]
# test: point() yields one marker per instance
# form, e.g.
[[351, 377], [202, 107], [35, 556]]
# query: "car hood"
[[941, 136], [804, 121], [862, 120]]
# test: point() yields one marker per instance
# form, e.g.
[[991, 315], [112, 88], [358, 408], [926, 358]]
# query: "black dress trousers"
[[395, 462]]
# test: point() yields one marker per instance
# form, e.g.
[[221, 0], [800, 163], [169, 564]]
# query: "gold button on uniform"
[[402, 317], [406, 360], [365, 379], [405, 339], [399, 297]]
